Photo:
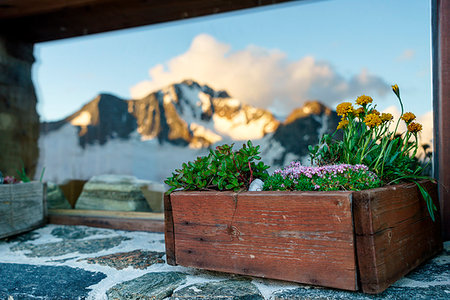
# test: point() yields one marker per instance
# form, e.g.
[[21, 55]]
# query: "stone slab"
[[154, 286], [137, 259], [226, 289], [114, 192], [77, 232], [22, 281], [68, 246]]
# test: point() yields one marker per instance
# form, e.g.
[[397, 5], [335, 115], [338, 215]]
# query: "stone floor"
[[77, 262]]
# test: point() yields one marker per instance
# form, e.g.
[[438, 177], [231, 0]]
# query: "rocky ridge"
[[113, 135]]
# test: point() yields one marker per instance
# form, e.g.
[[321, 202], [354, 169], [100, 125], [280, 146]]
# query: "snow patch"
[[83, 119]]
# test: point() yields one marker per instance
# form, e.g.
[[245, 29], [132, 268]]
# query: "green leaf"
[[429, 201]]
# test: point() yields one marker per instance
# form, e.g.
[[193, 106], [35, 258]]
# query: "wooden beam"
[[135, 221], [441, 105], [81, 17], [10, 9]]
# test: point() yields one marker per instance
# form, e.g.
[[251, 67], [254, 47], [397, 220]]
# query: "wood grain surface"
[[135, 221], [22, 207], [394, 233], [297, 236]]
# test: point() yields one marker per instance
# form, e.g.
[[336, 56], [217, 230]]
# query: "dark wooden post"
[[441, 105]]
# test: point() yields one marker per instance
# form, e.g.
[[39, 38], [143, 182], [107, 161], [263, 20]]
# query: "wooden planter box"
[[348, 240], [22, 207]]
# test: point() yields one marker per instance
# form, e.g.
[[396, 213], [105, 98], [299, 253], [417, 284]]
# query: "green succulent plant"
[[221, 169]]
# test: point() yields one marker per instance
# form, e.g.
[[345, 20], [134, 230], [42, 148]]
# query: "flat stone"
[[115, 192], [77, 232], [158, 285], [56, 198], [69, 246], [227, 289], [138, 259], [21, 281]]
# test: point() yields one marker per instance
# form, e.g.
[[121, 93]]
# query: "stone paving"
[[78, 262]]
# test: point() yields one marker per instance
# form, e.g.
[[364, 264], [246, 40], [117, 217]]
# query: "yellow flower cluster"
[[385, 117], [414, 127], [376, 112], [363, 100], [343, 123], [344, 108], [408, 117], [359, 111], [372, 120]]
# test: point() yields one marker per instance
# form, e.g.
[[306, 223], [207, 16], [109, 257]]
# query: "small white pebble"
[[256, 185]]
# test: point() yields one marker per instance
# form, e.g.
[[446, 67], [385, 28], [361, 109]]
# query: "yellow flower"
[[396, 90], [372, 120], [344, 108], [343, 123], [414, 127], [376, 112], [358, 112], [385, 117], [362, 100], [408, 117]]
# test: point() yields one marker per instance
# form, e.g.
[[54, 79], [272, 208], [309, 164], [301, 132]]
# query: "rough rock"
[[68, 246], [227, 289], [55, 197], [21, 281], [158, 285], [138, 259], [117, 192]]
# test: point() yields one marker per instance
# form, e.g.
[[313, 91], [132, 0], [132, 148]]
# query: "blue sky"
[[329, 50]]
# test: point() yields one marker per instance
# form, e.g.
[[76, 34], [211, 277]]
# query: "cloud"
[[260, 77], [408, 54]]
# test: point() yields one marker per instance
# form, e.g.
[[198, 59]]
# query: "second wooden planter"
[[22, 207], [348, 240]]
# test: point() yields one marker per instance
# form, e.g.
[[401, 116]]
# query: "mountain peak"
[[314, 107]]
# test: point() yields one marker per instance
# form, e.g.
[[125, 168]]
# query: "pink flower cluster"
[[10, 180], [294, 170]]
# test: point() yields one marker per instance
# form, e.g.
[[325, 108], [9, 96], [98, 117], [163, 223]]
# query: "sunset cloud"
[[260, 77]]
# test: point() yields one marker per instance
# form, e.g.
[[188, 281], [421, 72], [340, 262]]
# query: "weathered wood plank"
[[169, 232], [122, 223], [22, 207], [108, 213], [296, 236], [394, 233]]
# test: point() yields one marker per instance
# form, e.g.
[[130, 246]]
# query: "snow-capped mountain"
[[152, 136]]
